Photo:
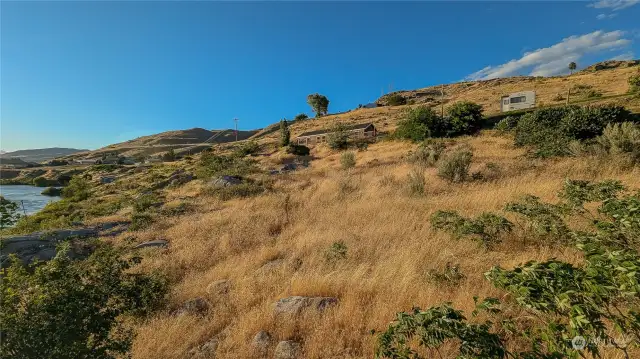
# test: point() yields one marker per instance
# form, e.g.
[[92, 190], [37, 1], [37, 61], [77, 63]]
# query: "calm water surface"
[[29, 195]]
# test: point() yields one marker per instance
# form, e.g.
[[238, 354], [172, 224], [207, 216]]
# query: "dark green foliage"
[[145, 202], [396, 100], [621, 139], [298, 150], [170, 156], [337, 251], [285, 134], [78, 189], [634, 83], [59, 214], [578, 192], [420, 123], [362, 145], [211, 165], [544, 219], [68, 309], [549, 131], [301, 117], [434, 327], [43, 182], [338, 136], [8, 213], [454, 167], [319, 104], [486, 228], [507, 124], [464, 118], [51, 191], [140, 220]]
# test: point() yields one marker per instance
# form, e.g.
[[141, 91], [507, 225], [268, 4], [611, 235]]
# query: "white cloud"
[[553, 60], [623, 57], [605, 16], [614, 4]]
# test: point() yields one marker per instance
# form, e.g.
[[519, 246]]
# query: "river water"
[[30, 196]]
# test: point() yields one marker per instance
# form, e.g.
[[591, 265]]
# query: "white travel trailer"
[[518, 101]]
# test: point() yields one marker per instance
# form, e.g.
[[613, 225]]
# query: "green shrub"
[[362, 145], [319, 104], [396, 100], [338, 137], [247, 149], [621, 139], [486, 228], [170, 156], [348, 160], [211, 165], [549, 131], [55, 215], [454, 167], [51, 191], [44, 182], [464, 118], [420, 123], [145, 202], [8, 213], [301, 117], [428, 153], [634, 83], [78, 189], [74, 309], [140, 220], [507, 124], [417, 182], [285, 134], [592, 94], [298, 150], [337, 251]]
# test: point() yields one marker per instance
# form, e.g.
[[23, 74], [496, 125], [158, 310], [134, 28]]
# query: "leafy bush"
[[396, 100], [428, 153], [596, 299], [319, 104], [348, 160], [211, 165], [8, 213], [54, 215], [301, 117], [51, 191], [486, 228], [420, 123], [507, 124], [634, 83], [592, 94], [416, 181], [362, 145], [74, 309], [78, 189], [464, 118], [337, 251], [549, 131], [298, 150], [145, 202], [621, 139], [454, 167], [338, 136], [140, 220], [44, 182], [246, 149], [170, 156], [285, 134]]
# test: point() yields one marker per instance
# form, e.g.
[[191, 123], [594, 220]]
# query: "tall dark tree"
[[301, 117], [319, 104], [285, 134], [572, 66]]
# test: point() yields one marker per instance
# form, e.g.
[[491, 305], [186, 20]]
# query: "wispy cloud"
[[553, 60], [614, 4], [605, 16], [623, 57]]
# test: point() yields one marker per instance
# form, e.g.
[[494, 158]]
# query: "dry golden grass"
[[391, 247]]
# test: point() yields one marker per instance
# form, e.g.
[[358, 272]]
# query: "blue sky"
[[88, 74]]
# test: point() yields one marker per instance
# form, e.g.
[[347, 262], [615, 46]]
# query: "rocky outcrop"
[[226, 181], [296, 304], [206, 350], [196, 306], [42, 245], [261, 342], [288, 349]]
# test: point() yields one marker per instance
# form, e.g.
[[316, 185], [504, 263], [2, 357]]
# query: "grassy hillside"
[[41, 154]]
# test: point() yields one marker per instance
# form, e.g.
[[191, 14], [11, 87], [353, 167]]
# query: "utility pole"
[[236, 121]]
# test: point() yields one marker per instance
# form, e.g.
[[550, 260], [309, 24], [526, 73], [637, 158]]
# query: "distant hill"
[[40, 155]]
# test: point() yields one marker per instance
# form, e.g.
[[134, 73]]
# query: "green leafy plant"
[[78, 189], [338, 136], [301, 117], [507, 124], [428, 153], [464, 118], [51, 191], [74, 309], [486, 228], [337, 251], [298, 150], [140, 220], [8, 213], [454, 167], [211, 165], [319, 104], [634, 83], [419, 123], [170, 156], [285, 134], [247, 149], [396, 100]]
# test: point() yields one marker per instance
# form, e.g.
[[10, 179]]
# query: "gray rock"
[[289, 167], [206, 350], [154, 243], [296, 304], [219, 287], [107, 179], [287, 349], [196, 306], [261, 342], [226, 181]]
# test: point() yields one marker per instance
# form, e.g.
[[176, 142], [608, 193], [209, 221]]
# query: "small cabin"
[[362, 131], [518, 101]]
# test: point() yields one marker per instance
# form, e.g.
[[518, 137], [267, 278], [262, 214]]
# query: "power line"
[[236, 121]]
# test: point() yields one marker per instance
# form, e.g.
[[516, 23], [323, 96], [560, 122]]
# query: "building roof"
[[320, 132]]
